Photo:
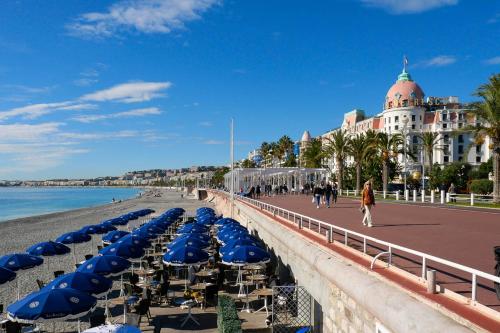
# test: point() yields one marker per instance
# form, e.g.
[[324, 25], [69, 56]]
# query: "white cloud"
[[98, 135], [26, 132], [213, 142], [129, 92], [126, 114], [493, 61], [144, 16], [408, 6], [33, 111], [439, 61], [206, 123], [26, 89]]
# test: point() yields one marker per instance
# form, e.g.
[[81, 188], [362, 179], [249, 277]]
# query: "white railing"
[[303, 221]]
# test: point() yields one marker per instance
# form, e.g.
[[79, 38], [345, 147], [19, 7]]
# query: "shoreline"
[[18, 234], [140, 190]]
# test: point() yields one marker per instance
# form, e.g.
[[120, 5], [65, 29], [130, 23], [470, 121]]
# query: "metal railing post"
[[474, 287], [407, 195], [432, 196], [442, 197], [364, 245], [345, 239], [414, 195], [300, 223], [447, 197], [472, 199], [423, 195], [330, 235], [397, 195], [424, 267], [385, 194]]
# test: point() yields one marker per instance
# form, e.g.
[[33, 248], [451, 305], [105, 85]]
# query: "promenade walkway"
[[460, 235]]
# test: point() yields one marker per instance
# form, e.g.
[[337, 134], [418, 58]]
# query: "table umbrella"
[[113, 329], [135, 240], [237, 243], [225, 220], [52, 305], [73, 237], [185, 256], [108, 227], [20, 261], [123, 250], [48, 249], [89, 283], [202, 237], [192, 227], [6, 275], [106, 266], [188, 241], [245, 255], [114, 236]]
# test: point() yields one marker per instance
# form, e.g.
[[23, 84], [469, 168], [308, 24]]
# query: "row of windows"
[[396, 118]]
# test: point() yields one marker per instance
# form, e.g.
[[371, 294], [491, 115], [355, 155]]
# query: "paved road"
[[459, 235]]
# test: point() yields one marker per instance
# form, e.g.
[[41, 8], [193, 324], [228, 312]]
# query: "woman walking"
[[328, 194], [367, 202], [317, 192]]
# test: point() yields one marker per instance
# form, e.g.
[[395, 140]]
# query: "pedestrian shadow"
[[404, 225]]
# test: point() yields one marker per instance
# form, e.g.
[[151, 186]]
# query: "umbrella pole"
[[121, 285], [74, 253], [79, 326], [17, 286]]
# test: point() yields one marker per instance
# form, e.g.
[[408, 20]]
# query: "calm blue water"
[[26, 201]]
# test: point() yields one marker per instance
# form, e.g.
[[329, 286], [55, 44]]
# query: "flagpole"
[[232, 166]]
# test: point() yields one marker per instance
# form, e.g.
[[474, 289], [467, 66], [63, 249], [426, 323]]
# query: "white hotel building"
[[407, 111]]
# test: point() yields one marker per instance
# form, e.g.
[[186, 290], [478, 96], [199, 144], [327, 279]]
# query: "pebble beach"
[[17, 235]]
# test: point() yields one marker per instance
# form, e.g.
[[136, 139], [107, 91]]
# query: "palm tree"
[[264, 151], [285, 146], [313, 154], [388, 146], [359, 148], [430, 141], [338, 147], [487, 113]]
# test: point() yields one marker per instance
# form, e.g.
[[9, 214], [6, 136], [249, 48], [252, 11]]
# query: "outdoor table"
[[200, 286], [257, 279], [245, 285], [254, 267], [145, 272], [112, 328], [157, 254], [125, 300], [184, 303], [263, 292]]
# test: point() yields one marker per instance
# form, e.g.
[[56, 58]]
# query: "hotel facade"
[[407, 111]]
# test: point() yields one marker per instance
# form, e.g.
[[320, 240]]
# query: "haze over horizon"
[[92, 88]]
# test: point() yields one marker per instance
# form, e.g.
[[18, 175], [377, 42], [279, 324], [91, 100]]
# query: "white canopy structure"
[[293, 178]]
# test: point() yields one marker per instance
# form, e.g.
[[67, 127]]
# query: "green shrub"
[[481, 186], [227, 316]]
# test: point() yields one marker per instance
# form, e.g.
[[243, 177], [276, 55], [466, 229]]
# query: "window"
[[405, 102], [396, 127], [460, 125], [415, 139], [413, 126], [396, 119], [460, 158], [420, 117], [478, 159], [460, 138], [460, 116], [412, 117], [478, 149], [446, 138], [460, 149], [446, 149], [446, 159], [445, 125], [445, 116]]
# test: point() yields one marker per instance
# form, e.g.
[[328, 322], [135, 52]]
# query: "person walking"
[[328, 194], [452, 193], [335, 193], [257, 191], [317, 192], [367, 202]]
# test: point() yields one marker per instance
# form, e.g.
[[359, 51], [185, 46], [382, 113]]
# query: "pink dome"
[[405, 92]]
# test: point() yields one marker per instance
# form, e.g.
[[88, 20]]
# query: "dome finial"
[[404, 76], [405, 63]]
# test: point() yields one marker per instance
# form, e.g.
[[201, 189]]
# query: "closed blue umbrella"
[[89, 283], [123, 250], [51, 305], [6, 275], [48, 249], [114, 236], [20, 261], [185, 256], [105, 265], [245, 255]]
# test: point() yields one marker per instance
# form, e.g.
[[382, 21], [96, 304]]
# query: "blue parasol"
[[114, 236], [6, 275], [89, 283], [185, 256], [123, 250], [105, 265], [48, 249], [245, 255]]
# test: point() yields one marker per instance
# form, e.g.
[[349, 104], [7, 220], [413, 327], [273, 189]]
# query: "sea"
[[16, 202]]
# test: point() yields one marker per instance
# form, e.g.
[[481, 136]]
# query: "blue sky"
[[92, 88]]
